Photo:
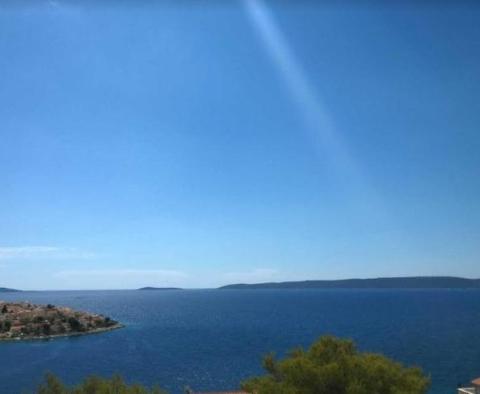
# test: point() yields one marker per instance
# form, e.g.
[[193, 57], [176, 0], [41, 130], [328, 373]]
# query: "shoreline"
[[65, 335]]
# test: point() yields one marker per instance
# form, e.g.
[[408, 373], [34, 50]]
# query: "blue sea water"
[[213, 339]]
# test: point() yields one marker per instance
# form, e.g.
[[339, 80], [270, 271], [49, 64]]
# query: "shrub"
[[37, 331], [46, 329], [39, 319], [94, 385], [75, 324], [335, 366]]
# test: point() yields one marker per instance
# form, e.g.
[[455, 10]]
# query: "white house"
[[474, 389]]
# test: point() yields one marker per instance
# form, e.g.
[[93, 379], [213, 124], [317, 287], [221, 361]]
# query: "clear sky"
[[203, 143]]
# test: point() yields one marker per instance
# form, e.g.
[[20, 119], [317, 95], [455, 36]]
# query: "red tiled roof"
[[476, 382]]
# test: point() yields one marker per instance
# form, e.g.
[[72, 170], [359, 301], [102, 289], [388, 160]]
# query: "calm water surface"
[[213, 339]]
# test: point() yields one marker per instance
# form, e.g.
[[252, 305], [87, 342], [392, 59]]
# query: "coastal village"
[[24, 320]]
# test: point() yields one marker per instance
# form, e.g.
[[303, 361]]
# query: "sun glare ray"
[[319, 125]]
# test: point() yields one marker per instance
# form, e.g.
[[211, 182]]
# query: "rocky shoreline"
[[72, 334], [27, 321]]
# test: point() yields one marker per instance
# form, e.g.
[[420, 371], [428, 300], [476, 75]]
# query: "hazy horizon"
[[174, 145], [225, 284]]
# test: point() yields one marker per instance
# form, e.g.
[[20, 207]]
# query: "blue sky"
[[197, 144]]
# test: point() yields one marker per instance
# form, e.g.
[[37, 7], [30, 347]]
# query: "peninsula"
[[7, 290], [416, 282], [23, 320]]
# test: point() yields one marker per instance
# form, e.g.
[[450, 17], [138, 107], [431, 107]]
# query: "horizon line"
[[173, 288]]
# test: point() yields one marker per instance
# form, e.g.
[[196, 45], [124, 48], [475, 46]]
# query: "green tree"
[[52, 385], [93, 385], [333, 365], [75, 324], [46, 329], [39, 319]]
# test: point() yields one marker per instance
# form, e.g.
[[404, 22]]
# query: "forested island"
[[418, 282], [23, 320]]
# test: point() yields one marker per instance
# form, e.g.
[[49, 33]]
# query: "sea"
[[211, 340]]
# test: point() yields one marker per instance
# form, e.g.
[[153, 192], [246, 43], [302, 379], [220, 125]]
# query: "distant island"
[[418, 282], [160, 288], [23, 320], [7, 290]]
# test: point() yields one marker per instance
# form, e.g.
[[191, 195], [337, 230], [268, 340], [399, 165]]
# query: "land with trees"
[[7, 290], [417, 282], [94, 385], [334, 365]]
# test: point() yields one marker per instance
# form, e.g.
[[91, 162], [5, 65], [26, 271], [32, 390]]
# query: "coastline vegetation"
[[330, 366], [333, 365], [94, 385]]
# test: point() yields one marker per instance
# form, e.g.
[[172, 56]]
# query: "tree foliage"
[[75, 324], [335, 366], [93, 385]]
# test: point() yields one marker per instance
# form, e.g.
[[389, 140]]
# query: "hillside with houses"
[[24, 320]]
